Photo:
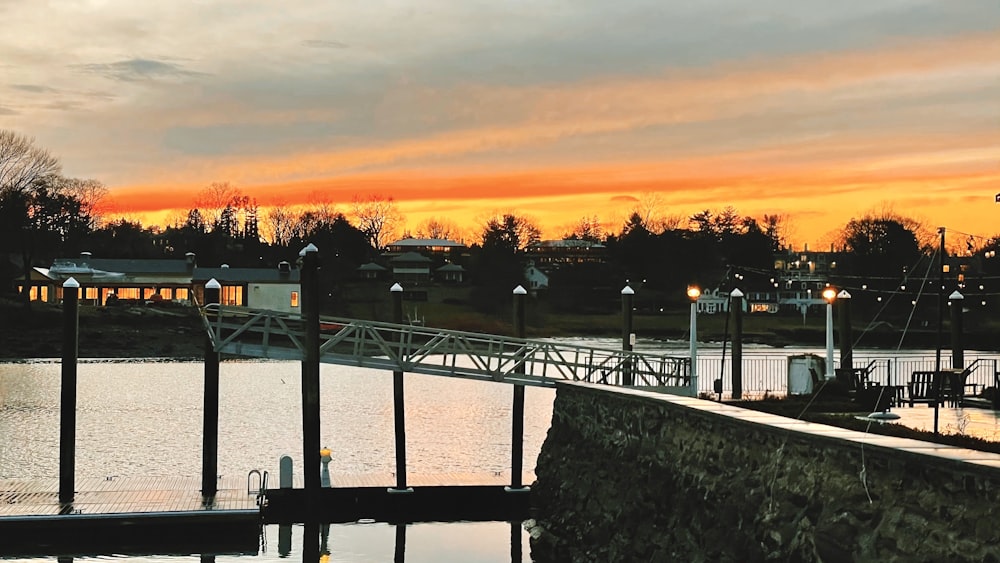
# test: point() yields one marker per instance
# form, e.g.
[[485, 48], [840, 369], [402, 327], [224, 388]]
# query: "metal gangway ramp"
[[407, 348]]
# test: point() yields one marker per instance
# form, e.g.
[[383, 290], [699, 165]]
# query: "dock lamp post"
[[829, 294], [693, 293]]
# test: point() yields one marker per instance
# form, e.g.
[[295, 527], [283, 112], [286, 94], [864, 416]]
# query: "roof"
[[261, 275], [372, 267], [410, 257], [127, 266], [567, 243], [422, 242], [451, 268]]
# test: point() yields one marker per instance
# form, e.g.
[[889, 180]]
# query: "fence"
[[767, 374]]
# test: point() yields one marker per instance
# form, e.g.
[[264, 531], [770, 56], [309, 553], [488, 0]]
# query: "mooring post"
[[846, 338], [210, 425], [736, 303], [957, 346], [628, 338], [399, 553], [693, 293], [310, 375], [398, 403], [516, 551], [517, 416], [67, 399]]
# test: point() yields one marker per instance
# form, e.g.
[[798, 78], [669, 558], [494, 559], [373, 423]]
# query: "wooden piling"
[[310, 373], [398, 402], [210, 424], [736, 304], [844, 332], [517, 415], [67, 399], [628, 295], [957, 345]]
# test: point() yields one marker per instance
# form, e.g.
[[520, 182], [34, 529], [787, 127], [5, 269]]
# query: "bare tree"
[[23, 166], [377, 217], [438, 228], [587, 228], [648, 212], [92, 195], [279, 225], [214, 198], [27, 176]]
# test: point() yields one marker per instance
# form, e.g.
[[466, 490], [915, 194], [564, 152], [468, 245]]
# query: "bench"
[[920, 388]]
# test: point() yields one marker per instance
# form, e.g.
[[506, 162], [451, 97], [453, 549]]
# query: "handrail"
[[420, 349]]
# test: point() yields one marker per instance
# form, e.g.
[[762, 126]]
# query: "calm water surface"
[[144, 419]]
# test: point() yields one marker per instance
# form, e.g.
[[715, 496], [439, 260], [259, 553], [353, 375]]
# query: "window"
[[295, 299], [231, 295], [128, 293], [90, 293], [181, 293]]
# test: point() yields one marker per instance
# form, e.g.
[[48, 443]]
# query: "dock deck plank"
[[31, 497], [120, 495]]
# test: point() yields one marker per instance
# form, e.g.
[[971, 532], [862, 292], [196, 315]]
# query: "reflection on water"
[[457, 542], [465, 541], [144, 419]]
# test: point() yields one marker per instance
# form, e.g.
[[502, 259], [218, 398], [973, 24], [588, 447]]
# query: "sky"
[[819, 111]]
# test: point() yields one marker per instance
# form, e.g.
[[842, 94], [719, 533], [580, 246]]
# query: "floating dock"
[[168, 515], [163, 515]]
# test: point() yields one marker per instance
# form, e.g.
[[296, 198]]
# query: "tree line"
[[45, 215]]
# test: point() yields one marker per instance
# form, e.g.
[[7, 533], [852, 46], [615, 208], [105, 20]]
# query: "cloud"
[[134, 70], [325, 44], [7, 111], [34, 88]]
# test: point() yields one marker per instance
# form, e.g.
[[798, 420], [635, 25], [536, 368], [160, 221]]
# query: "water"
[[144, 418]]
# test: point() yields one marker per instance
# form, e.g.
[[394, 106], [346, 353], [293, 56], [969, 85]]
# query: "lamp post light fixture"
[[829, 294], [693, 293]]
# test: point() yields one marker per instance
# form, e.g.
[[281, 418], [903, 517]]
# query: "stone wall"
[[628, 475]]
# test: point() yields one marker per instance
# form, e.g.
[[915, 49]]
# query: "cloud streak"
[[135, 70]]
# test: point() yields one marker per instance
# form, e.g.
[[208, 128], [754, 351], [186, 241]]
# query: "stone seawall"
[[629, 475]]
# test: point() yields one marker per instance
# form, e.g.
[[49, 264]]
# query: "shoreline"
[[129, 333]]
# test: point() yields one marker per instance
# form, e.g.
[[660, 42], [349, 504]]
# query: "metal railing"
[[417, 349], [767, 374]]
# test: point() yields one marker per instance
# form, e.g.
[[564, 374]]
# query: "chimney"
[[85, 256], [224, 266], [284, 269], [191, 262]]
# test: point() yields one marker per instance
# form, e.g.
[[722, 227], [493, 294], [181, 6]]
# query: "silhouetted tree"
[[438, 228], [880, 245], [26, 170], [377, 217]]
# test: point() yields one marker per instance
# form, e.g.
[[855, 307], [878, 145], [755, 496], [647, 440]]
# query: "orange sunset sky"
[[818, 110]]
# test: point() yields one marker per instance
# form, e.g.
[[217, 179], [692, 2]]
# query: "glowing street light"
[[693, 293], [829, 294]]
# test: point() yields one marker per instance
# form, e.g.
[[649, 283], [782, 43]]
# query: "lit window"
[[232, 295], [295, 299], [181, 293], [90, 293]]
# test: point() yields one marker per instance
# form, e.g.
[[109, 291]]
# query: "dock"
[[167, 515], [127, 515], [428, 498]]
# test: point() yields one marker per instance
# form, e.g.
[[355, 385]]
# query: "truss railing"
[[418, 349]]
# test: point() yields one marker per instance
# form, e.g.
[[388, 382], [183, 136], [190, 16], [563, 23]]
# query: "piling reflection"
[[284, 540], [399, 554], [317, 546]]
